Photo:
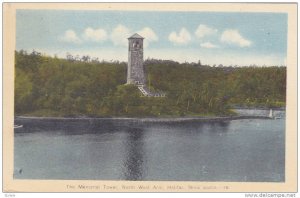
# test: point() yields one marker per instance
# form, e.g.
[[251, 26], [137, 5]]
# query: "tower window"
[[136, 44]]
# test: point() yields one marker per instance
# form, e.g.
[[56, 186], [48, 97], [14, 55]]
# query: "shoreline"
[[148, 119]]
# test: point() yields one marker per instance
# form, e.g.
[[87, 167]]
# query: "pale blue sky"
[[212, 37]]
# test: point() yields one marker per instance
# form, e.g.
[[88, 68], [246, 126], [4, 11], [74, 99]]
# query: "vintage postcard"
[[150, 97]]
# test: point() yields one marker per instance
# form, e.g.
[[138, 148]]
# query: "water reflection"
[[72, 126], [93, 125], [134, 149], [218, 127], [110, 149]]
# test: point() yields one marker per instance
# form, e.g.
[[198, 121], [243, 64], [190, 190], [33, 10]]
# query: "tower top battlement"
[[136, 36]]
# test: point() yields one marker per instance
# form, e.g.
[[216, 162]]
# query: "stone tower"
[[135, 69]]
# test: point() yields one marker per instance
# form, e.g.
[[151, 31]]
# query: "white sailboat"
[[271, 114], [18, 126]]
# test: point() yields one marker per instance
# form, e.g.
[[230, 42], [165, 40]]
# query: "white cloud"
[[97, 35], [208, 45], [149, 35], [233, 37], [182, 38], [70, 36], [119, 35], [204, 30]]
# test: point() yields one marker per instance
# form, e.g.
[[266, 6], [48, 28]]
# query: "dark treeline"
[[46, 86]]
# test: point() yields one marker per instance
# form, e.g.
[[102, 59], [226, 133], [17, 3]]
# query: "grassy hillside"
[[46, 86]]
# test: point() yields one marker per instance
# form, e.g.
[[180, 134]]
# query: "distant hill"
[[46, 86]]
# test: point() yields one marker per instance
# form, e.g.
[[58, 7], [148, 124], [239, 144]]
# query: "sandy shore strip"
[[150, 119]]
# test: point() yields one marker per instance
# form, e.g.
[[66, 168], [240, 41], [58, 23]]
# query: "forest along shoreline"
[[56, 87]]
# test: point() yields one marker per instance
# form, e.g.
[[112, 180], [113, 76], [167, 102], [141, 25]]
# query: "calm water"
[[238, 150]]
